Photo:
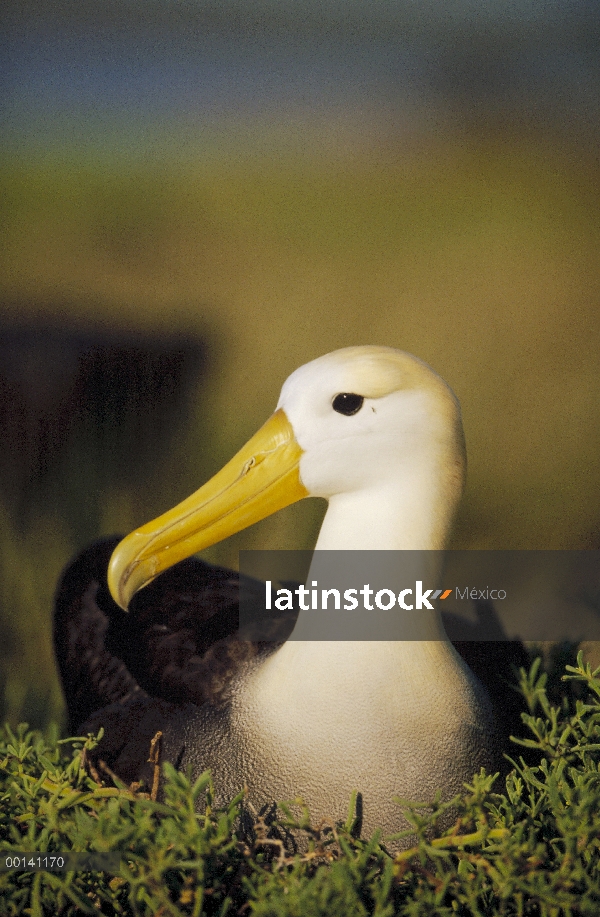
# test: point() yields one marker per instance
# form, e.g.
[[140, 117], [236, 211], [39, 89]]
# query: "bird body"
[[366, 719], [378, 434]]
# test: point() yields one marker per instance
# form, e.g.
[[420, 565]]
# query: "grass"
[[529, 849]]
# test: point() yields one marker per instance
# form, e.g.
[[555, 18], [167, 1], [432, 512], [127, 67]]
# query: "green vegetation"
[[531, 850]]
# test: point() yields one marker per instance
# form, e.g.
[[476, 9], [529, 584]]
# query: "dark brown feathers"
[[177, 642]]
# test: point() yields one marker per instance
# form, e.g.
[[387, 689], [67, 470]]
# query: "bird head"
[[346, 422]]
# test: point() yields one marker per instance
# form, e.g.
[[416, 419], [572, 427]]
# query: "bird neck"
[[372, 540], [411, 514], [387, 537]]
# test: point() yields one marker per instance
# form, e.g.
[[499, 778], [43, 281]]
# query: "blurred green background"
[[199, 198]]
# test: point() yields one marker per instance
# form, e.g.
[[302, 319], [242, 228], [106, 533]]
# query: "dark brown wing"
[[134, 673], [176, 644], [92, 675], [495, 660]]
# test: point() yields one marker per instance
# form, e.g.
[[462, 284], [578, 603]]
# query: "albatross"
[[378, 434]]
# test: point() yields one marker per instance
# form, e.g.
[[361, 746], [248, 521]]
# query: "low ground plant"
[[524, 846]]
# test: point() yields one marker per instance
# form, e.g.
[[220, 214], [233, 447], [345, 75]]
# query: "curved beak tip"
[[117, 579]]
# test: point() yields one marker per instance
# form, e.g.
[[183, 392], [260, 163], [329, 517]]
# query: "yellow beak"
[[261, 479]]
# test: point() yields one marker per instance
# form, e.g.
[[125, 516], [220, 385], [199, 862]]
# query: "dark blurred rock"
[[100, 393]]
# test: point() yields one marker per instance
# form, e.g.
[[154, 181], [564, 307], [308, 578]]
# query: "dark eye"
[[347, 403]]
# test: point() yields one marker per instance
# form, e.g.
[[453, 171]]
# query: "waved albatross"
[[378, 434]]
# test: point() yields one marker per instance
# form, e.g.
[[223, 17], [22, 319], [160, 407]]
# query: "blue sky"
[[86, 73]]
